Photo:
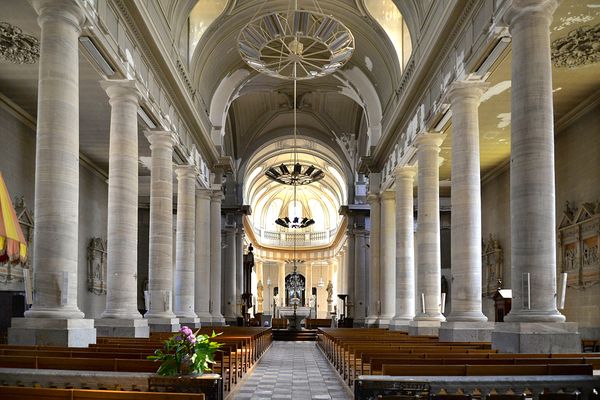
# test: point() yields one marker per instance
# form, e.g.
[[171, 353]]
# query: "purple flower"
[[186, 331], [177, 338], [191, 339]]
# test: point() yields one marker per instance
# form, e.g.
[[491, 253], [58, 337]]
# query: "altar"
[[294, 321]]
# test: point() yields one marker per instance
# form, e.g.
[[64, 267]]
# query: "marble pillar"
[[215, 257], [281, 285], [375, 271], [534, 324], [350, 266], [466, 321], [360, 271], [55, 318], [429, 316], [230, 253], [185, 276], [121, 316], [388, 258], [405, 251], [202, 241], [239, 265], [258, 266], [160, 316]]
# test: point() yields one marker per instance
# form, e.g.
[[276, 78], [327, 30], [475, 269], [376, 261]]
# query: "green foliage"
[[186, 353]]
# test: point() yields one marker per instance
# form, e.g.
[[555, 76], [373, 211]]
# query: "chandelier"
[[295, 175], [295, 222]]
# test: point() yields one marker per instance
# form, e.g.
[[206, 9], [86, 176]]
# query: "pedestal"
[[164, 324], [536, 337], [137, 328], [460, 331], [429, 328], [193, 323], [399, 325], [52, 332]]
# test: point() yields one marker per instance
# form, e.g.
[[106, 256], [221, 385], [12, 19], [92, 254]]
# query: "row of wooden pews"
[[379, 352], [242, 347]]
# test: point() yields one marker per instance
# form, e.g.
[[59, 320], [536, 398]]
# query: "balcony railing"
[[302, 239]]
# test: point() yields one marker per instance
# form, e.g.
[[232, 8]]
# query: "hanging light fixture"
[[295, 45]]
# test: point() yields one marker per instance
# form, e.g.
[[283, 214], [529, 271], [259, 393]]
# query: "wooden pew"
[[27, 393]]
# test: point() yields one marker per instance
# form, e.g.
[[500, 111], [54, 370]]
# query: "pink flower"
[[186, 331]]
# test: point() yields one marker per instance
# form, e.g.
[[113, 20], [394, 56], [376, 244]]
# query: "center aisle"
[[292, 370]]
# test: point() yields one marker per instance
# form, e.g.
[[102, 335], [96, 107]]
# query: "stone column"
[[405, 261], [534, 323], [202, 257], [55, 314], [350, 265], [184, 254], [427, 321], [281, 285], [258, 265], [215, 257], [239, 265], [360, 277], [229, 271], [160, 271], [466, 321], [375, 271], [388, 258], [121, 316]]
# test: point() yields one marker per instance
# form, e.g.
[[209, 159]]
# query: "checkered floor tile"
[[292, 370]]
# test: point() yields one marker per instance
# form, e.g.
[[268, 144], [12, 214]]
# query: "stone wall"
[[577, 181], [577, 150], [17, 164]]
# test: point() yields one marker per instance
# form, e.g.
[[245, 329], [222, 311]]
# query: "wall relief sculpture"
[[97, 266], [578, 244], [579, 48], [18, 47], [493, 265]]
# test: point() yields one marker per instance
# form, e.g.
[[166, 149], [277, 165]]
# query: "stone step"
[[293, 336]]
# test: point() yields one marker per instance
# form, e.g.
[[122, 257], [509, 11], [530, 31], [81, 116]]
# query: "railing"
[[301, 239]]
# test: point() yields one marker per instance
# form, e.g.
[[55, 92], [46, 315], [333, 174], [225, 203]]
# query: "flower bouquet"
[[186, 353]]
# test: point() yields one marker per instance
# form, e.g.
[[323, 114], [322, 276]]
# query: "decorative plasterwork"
[[579, 48], [578, 245], [97, 266], [18, 47]]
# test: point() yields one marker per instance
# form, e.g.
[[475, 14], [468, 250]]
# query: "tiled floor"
[[292, 370]]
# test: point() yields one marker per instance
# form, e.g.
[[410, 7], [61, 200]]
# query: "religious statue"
[[329, 292]]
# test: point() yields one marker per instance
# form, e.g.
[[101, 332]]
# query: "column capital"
[[160, 139], [388, 195], [461, 91], [216, 196], [66, 10], [527, 9], [204, 193], [121, 90], [429, 140], [186, 171], [372, 198], [405, 172]]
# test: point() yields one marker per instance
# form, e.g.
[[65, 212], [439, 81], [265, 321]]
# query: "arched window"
[[317, 213], [202, 15], [387, 14], [273, 212]]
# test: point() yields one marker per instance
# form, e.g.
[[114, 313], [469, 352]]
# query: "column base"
[[384, 322], [52, 332], [421, 327], [117, 327], [193, 323], [164, 324], [459, 331], [205, 318], [399, 324], [217, 320], [372, 322], [536, 337]]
